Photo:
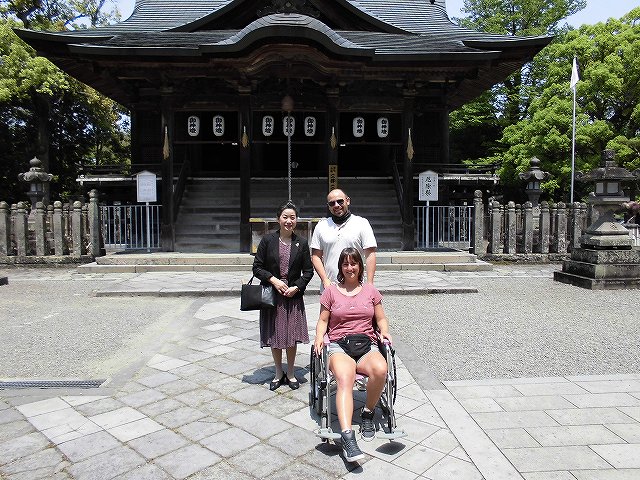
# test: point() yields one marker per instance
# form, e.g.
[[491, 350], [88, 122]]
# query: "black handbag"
[[256, 297], [355, 345]]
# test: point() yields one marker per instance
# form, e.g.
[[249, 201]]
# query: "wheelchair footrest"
[[327, 433], [391, 435]]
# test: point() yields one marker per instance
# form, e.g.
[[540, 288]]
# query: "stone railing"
[[58, 233], [547, 232]]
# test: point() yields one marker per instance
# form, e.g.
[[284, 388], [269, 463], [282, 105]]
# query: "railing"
[[178, 190], [634, 233], [444, 226], [261, 226], [124, 227]]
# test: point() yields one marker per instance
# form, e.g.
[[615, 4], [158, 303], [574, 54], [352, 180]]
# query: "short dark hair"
[[354, 254], [286, 205]]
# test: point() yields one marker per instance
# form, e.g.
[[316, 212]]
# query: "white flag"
[[574, 74]]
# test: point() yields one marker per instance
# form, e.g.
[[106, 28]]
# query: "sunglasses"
[[333, 203]]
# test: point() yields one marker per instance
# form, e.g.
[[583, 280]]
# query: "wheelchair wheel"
[[316, 395], [313, 379], [388, 397]]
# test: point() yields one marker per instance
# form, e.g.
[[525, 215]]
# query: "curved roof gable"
[[392, 16], [296, 26]]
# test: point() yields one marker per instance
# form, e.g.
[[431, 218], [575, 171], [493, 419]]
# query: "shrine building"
[[236, 103]]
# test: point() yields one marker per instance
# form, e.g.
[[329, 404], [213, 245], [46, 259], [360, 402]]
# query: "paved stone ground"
[[198, 406]]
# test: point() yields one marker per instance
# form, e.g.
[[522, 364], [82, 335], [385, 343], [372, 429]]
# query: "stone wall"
[[511, 232], [58, 233]]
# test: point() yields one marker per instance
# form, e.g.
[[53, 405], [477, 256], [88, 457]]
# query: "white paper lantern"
[[193, 126], [289, 125], [383, 127], [267, 125], [358, 127], [218, 125], [309, 126]]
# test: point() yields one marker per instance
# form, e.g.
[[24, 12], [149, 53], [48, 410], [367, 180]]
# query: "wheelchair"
[[323, 385]]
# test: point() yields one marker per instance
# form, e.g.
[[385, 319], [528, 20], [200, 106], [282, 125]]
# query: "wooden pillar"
[[408, 138], [167, 232], [136, 151], [444, 135], [332, 141], [244, 119]]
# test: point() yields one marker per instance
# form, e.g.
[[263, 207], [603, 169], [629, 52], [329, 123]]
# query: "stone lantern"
[[37, 179], [607, 198], [605, 259], [534, 176]]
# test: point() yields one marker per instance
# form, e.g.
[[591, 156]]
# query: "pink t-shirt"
[[351, 315]]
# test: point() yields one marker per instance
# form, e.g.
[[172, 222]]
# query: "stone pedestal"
[[601, 269], [605, 259]]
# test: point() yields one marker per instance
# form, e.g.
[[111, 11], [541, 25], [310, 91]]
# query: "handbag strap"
[[251, 281]]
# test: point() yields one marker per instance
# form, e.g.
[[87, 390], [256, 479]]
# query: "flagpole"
[[574, 80], [573, 145]]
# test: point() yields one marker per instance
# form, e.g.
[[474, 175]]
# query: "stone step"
[[385, 260], [140, 268]]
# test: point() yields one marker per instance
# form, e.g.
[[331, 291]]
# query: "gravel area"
[[518, 326], [52, 327]]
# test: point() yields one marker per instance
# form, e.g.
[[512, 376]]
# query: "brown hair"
[[354, 254]]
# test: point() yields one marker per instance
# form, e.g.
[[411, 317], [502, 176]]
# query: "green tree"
[[507, 102], [46, 113], [607, 108]]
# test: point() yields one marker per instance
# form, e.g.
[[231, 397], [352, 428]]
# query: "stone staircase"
[[208, 219], [125, 262]]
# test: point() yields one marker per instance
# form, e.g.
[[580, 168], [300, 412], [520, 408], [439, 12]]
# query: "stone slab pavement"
[[200, 408]]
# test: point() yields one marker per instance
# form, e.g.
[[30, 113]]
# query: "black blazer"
[[266, 263]]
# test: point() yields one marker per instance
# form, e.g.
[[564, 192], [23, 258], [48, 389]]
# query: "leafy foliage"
[[606, 105], [607, 108], [46, 113]]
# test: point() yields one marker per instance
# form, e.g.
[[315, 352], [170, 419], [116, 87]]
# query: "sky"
[[595, 11]]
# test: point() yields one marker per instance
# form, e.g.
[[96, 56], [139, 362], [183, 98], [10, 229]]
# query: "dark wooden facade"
[[237, 59]]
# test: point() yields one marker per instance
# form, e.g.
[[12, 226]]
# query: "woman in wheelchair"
[[348, 312]]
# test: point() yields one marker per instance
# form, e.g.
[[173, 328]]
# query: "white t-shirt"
[[331, 238]]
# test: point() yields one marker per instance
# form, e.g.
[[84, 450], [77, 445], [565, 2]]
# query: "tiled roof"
[[378, 44]]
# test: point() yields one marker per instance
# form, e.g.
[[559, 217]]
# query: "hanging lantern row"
[[382, 127], [193, 126], [288, 126]]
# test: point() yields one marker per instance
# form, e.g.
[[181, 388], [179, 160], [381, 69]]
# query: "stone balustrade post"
[[94, 224], [561, 229], [66, 216], [49, 216], [576, 225], [544, 225], [585, 212], [496, 227], [5, 229], [553, 216], [510, 229], [58, 229], [77, 229], [21, 230], [40, 230], [478, 224], [527, 228]]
